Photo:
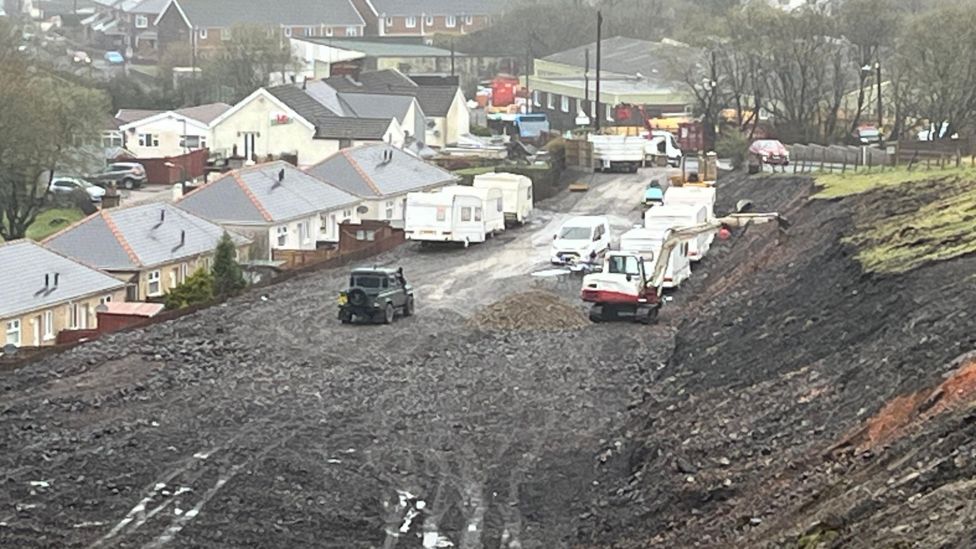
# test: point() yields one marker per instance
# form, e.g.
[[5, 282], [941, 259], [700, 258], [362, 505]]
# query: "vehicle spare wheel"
[[357, 297]]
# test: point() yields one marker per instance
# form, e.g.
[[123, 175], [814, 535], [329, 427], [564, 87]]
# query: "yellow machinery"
[[697, 171]]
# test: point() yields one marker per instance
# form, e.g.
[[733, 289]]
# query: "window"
[[73, 316], [498, 204], [411, 22], [468, 19], [450, 21], [550, 100], [154, 287], [148, 140], [477, 214], [13, 332], [441, 213], [352, 31], [303, 232], [206, 263], [624, 264], [564, 104], [579, 107], [535, 98], [48, 325], [466, 213], [225, 34], [193, 141], [184, 272], [203, 34], [328, 31], [309, 31], [142, 21], [609, 114], [111, 139], [592, 109], [366, 235], [288, 31], [429, 20], [282, 232], [389, 209], [346, 214], [389, 21]]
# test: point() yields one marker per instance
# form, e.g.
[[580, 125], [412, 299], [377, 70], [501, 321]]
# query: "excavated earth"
[[786, 398]]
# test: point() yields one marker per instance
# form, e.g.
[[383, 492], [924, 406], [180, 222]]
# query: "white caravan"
[[516, 193], [579, 238], [691, 196], [674, 217], [647, 244], [454, 214]]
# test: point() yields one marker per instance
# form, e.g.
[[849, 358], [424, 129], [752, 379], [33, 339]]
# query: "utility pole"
[[599, 36], [877, 68], [586, 77], [528, 89], [452, 58]]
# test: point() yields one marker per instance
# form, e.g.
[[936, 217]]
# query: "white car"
[[580, 238], [66, 185], [81, 58]]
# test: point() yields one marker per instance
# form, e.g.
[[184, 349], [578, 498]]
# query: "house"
[[635, 76], [205, 24], [45, 292], [275, 204], [128, 26], [312, 121], [151, 247], [428, 17], [440, 97], [381, 176], [157, 134]]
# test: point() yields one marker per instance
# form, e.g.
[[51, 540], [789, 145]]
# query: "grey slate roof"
[[131, 115], [132, 239], [362, 172], [435, 100], [24, 263], [626, 56], [250, 196], [226, 13], [336, 118], [437, 7], [369, 129], [201, 113]]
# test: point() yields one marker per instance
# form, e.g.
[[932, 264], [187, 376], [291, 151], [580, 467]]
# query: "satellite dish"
[[743, 206], [362, 209]]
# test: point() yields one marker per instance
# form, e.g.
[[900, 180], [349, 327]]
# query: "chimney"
[[182, 237], [162, 217], [281, 175], [305, 83]]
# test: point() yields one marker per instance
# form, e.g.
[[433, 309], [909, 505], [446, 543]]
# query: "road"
[[264, 421]]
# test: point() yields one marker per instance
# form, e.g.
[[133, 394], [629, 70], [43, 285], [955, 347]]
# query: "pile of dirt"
[[533, 310]]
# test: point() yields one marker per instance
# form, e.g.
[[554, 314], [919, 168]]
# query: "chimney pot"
[[47, 282], [162, 215], [56, 277], [281, 175], [182, 237]]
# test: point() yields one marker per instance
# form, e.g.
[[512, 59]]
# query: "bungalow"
[[151, 247], [381, 176], [312, 121], [277, 205], [440, 98], [156, 134], [428, 17], [205, 24], [45, 292]]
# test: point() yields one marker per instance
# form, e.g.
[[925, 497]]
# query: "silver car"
[[66, 185]]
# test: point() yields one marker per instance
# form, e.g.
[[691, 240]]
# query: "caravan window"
[[621, 264], [441, 214], [499, 204], [477, 214], [466, 213]]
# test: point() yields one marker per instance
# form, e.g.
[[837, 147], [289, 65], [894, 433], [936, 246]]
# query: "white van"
[[516, 193], [648, 243], [454, 214], [579, 237], [675, 217], [691, 196], [663, 144]]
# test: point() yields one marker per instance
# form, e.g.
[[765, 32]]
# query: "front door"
[[37, 325], [249, 139]]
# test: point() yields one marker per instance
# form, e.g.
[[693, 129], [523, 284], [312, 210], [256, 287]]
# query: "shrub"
[[480, 131], [733, 145], [227, 276], [197, 289]]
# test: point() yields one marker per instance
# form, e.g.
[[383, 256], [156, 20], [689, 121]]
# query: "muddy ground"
[[741, 420]]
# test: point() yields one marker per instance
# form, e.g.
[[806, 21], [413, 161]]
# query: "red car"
[[767, 151]]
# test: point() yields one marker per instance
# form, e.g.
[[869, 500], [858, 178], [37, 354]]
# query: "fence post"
[[823, 158]]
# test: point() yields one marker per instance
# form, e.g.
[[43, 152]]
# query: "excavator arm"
[[681, 234]]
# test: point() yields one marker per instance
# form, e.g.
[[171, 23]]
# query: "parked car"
[[130, 175], [376, 294], [81, 57], [867, 135], [61, 184], [114, 58], [767, 151]]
